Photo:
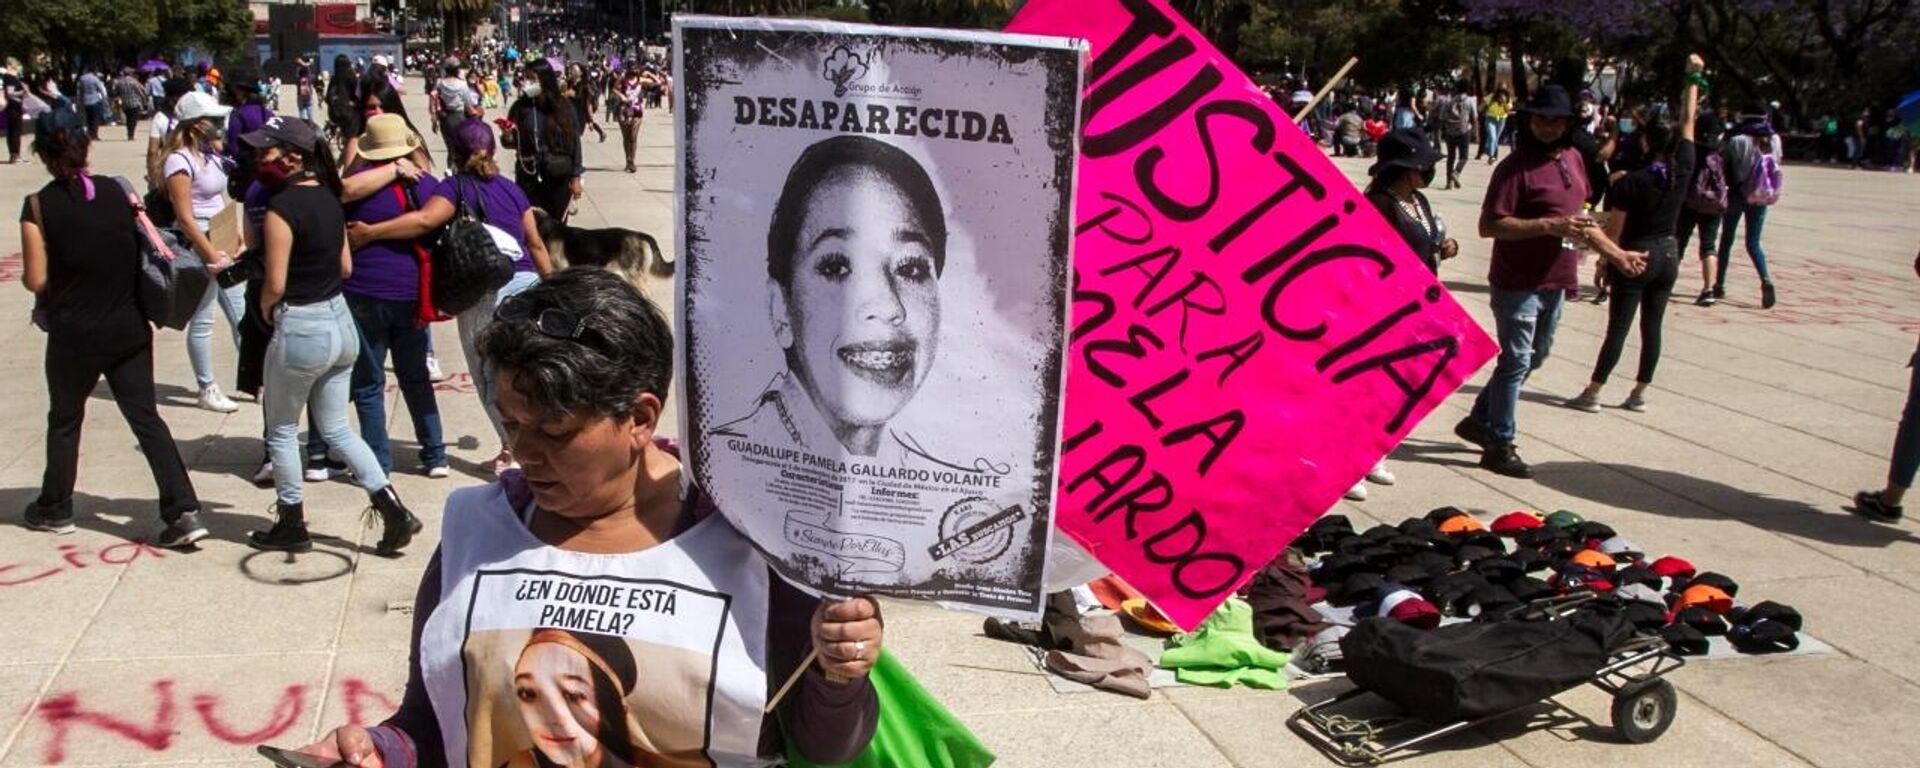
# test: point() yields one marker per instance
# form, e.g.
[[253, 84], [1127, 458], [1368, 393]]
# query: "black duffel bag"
[[1476, 669]]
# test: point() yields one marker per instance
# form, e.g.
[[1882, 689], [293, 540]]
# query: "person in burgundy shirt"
[[1535, 214]]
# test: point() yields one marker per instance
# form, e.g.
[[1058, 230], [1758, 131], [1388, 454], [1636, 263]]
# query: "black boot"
[[289, 531], [397, 524]]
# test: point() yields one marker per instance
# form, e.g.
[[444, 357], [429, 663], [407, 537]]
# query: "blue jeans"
[[471, 323], [388, 325], [233, 303], [1524, 321], [1756, 218], [313, 353], [1490, 136]]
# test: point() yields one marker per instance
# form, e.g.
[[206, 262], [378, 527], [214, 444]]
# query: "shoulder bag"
[[467, 261], [173, 280]]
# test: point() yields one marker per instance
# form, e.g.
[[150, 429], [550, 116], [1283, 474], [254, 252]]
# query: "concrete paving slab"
[[1576, 729], [1251, 730], [1157, 734], [1827, 710], [192, 612], [1867, 617]]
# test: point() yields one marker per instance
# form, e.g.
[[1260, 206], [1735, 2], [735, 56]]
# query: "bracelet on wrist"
[[1699, 79]]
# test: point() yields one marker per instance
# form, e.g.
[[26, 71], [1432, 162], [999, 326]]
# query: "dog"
[[624, 252]]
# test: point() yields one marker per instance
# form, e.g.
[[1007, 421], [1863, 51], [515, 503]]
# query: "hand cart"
[[1643, 704]]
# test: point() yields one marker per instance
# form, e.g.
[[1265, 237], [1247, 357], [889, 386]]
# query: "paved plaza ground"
[[1763, 423]]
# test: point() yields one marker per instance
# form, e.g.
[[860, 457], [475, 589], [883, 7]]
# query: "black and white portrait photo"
[[856, 247], [877, 231]]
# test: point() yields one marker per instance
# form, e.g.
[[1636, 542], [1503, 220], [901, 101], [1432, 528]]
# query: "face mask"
[[532, 90], [273, 175], [1626, 125]]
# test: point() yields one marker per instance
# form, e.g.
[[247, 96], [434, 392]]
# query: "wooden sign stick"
[[1337, 77]]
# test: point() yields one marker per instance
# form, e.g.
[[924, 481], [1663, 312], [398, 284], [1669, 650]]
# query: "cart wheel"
[[1644, 710]]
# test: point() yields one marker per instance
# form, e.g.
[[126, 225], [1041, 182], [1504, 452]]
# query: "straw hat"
[[388, 137]]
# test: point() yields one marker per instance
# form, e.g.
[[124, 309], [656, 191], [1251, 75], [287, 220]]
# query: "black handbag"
[[467, 262]]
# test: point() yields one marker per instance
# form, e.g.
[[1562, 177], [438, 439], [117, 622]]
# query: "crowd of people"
[[352, 138], [1630, 186]]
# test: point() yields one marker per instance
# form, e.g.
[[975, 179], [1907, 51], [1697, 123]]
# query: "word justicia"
[[881, 119]]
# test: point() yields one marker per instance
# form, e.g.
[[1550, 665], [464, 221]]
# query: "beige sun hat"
[[388, 137]]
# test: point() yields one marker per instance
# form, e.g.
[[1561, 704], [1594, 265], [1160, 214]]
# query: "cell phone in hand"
[[287, 758]]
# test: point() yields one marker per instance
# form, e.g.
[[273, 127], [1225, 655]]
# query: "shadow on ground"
[[1709, 500]]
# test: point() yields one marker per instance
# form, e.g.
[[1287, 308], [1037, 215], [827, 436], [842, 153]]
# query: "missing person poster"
[[566, 669], [876, 225]]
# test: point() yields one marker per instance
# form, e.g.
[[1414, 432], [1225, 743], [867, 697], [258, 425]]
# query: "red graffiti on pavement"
[[64, 713], [11, 268], [455, 382], [73, 558], [353, 690], [285, 714]]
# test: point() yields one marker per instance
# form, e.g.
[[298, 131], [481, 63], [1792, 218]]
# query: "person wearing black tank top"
[[315, 342], [1644, 208], [81, 259]]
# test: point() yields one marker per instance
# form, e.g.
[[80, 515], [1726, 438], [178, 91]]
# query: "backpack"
[[1709, 191], [1459, 117], [1763, 185]]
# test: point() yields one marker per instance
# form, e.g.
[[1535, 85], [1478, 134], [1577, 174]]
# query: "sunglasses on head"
[[552, 321]]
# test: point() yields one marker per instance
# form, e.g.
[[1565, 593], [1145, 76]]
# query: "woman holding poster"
[[591, 610], [855, 251]]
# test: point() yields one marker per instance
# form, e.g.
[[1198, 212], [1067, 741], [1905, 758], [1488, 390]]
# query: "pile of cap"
[[1449, 563]]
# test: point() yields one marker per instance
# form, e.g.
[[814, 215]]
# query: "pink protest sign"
[[1248, 335]]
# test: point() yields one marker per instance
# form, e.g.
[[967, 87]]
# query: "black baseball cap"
[[285, 131]]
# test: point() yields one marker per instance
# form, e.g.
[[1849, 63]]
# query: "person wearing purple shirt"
[[384, 294], [503, 206], [249, 114]]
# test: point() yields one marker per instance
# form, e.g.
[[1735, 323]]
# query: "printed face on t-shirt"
[[555, 687]]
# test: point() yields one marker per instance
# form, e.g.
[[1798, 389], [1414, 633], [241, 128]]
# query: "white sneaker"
[[1358, 492], [438, 472], [264, 477], [324, 470], [434, 374], [212, 399], [1380, 475]]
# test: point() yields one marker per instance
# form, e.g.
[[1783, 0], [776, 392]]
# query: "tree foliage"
[[69, 29], [121, 30], [221, 27]]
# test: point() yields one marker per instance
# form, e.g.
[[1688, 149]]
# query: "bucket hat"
[[387, 137]]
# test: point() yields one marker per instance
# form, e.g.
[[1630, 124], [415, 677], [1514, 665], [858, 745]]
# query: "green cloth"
[[915, 731], [1223, 651], [1564, 519]]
